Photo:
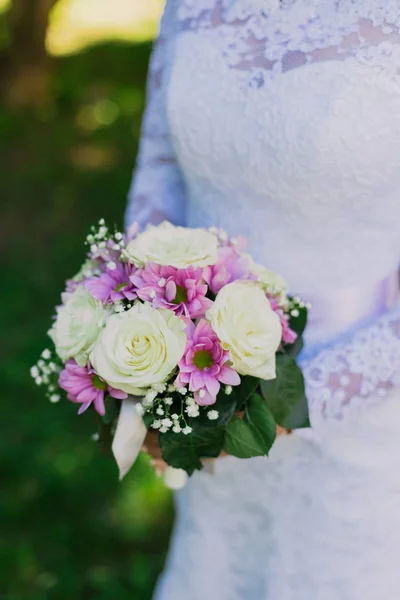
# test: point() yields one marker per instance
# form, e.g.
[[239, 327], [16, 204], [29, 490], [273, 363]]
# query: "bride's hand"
[[152, 447]]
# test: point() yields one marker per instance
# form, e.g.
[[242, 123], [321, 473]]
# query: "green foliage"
[[299, 323], [285, 395], [112, 407], [254, 435], [242, 393], [261, 421], [185, 451]]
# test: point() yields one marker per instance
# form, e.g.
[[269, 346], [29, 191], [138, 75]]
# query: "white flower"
[[228, 390], [156, 424], [172, 246], [160, 411], [270, 281], [244, 321], [54, 398], [149, 398], [187, 430], [77, 326], [213, 415], [166, 423], [169, 401], [177, 428], [159, 387], [34, 372], [46, 354], [140, 409], [193, 410], [139, 348]]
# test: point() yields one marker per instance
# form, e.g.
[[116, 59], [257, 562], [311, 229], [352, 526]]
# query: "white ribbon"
[[128, 441]]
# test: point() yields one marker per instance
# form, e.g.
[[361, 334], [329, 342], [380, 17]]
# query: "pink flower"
[[231, 266], [116, 283], [181, 290], [203, 365], [288, 335], [83, 386]]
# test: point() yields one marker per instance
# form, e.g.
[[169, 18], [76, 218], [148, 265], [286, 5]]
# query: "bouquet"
[[178, 331]]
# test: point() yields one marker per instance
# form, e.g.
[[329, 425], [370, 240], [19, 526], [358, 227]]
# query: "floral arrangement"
[[179, 331]]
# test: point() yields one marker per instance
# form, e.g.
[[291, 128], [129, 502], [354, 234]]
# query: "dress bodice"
[[280, 120], [285, 120]]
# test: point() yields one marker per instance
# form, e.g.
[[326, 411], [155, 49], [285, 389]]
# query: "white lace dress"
[[280, 120]]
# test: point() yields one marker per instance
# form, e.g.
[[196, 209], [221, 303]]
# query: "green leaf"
[[186, 451], [241, 440], [299, 418], [241, 393], [295, 348], [112, 407], [285, 396], [299, 323], [148, 419], [261, 421], [226, 407]]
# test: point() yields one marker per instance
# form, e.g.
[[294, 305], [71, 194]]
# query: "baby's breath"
[[45, 373]]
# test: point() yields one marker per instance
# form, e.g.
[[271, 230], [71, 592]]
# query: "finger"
[[159, 466]]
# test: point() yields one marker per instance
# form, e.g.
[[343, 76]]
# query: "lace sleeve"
[[157, 189], [352, 375]]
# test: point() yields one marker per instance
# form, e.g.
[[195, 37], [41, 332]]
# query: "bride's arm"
[[157, 191]]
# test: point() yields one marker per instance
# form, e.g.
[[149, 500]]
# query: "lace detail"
[[270, 37], [351, 377]]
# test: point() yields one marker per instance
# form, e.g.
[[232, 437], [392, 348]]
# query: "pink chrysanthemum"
[[181, 290], [116, 283], [203, 365], [288, 335], [231, 266], [84, 387]]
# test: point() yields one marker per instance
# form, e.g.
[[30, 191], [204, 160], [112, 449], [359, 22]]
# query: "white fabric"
[[281, 121], [129, 436]]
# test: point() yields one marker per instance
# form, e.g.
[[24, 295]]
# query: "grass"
[[69, 528]]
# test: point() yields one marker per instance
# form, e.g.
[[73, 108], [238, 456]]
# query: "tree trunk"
[[27, 69]]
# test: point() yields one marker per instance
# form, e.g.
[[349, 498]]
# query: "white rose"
[[77, 326], [247, 326], [172, 246], [139, 348]]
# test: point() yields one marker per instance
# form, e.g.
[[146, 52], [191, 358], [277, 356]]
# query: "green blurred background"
[[72, 93]]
